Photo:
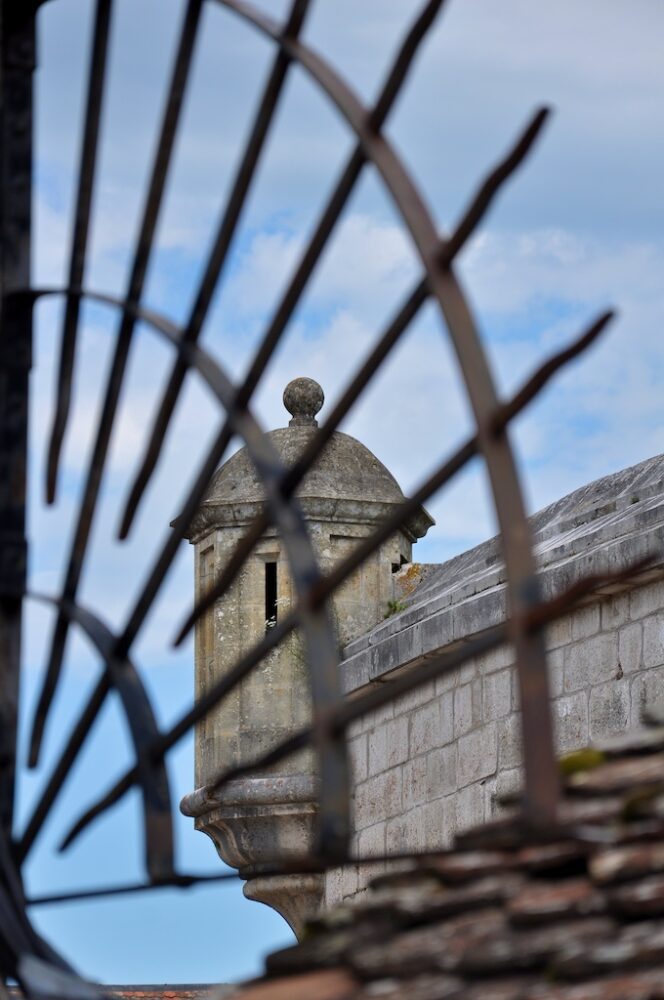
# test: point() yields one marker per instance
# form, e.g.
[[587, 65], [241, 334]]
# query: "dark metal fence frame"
[[490, 440]]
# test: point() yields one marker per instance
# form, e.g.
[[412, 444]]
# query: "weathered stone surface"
[[478, 754], [560, 919], [598, 678], [630, 643], [341, 499], [609, 709]]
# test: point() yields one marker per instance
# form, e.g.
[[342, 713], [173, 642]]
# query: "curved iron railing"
[[24, 956]]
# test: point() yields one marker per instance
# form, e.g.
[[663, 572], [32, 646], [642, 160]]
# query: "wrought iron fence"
[[23, 955]]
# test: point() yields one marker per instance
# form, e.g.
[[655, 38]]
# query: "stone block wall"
[[438, 760]]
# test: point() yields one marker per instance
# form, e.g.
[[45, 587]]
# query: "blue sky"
[[580, 228]]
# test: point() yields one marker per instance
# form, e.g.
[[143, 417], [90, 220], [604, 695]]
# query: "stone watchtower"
[[271, 816]]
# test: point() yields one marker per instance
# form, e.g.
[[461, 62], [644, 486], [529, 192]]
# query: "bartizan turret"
[[270, 816]]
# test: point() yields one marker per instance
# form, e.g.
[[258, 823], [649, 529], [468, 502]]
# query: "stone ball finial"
[[303, 398]]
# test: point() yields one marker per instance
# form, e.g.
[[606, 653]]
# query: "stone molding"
[[252, 792], [211, 516]]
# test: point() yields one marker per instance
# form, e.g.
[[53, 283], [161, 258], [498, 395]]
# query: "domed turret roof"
[[346, 469], [345, 473]]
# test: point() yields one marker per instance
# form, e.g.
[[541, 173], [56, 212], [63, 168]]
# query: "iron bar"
[[528, 614], [17, 59], [464, 453], [86, 183], [334, 579], [317, 631], [120, 358], [151, 774], [397, 326], [217, 258], [431, 667], [62, 769]]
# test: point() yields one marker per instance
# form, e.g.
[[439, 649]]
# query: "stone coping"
[[281, 789], [604, 526], [335, 510]]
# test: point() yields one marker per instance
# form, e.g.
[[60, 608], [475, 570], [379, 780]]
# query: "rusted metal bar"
[[542, 780], [432, 667], [331, 714], [124, 679], [177, 881], [120, 358], [405, 315], [62, 769], [305, 268], [316, 627], [334, 579], [389, 339], [463, 454], [79, 243], [215, 265]]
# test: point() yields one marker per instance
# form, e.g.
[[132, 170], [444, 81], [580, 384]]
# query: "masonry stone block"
[[497, 695], [508, 782], [380, 715], [646, 600], [571, 721], [431, 726], [406, 832], [415, 781], [609, 709], [378, 798], [349, 881], [372, 840], [357, 752], [378, 750], [469, 806], [422, 695], [585, 622], [397, 740], [559, 633], [467, 707], [496, 659], [478, 754], [555, 662], [591, 661], [466, 672], [440, 822], [647, 693], [446, 682], [333, 887], [615, 612], [441, 771], [437, 631], [630, 644], [509, 742], [653, 641]]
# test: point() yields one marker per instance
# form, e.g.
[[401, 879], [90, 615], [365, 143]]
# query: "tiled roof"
[[186, 991], [196, 991], [577, 914]]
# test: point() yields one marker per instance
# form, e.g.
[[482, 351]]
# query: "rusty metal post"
[[17, 57]]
